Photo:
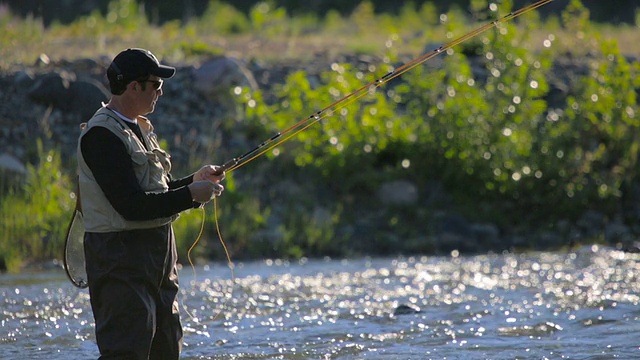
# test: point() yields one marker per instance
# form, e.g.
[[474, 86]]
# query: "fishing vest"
[[151, 167]]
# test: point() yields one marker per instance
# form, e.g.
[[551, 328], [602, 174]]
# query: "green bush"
[[475, 120], [220, 18], [34, 219]]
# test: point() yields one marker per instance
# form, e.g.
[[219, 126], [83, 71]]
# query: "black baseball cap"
[[136, 63]]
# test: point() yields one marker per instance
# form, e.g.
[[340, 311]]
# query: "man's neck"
[[121, 108], [124, 118]]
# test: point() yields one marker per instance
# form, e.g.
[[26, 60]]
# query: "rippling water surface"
[[575, 305]]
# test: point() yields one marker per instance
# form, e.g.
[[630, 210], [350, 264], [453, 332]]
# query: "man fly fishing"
[[129, 201]]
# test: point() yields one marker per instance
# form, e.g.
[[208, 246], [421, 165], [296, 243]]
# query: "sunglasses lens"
[[157, 84]]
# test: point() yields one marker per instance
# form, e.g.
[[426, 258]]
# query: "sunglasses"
[[157, 84]]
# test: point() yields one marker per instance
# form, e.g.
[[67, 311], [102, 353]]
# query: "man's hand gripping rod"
[[226, 166]]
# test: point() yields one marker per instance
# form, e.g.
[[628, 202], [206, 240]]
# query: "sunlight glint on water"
[[582, 304]]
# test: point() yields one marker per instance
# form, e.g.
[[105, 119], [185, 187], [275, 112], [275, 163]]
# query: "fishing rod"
[[329, 110]]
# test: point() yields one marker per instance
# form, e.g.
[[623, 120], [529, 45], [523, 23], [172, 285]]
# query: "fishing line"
[[193, 267], [226, 252]]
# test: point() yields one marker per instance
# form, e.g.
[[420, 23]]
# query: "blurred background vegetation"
[[478, 122], [161, 11]]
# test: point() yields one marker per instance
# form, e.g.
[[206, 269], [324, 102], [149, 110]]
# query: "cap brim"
[[164, 71]]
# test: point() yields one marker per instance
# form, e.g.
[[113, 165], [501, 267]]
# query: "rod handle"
[[226, 166]]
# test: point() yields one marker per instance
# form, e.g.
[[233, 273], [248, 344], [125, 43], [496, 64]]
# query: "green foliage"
[[222, 19], [123, 16], [603, 129], [196, 48], [33, 219], [267, 19], [126, 15], [363, 17], [476, 120], [14, 30], [242, 216], [14, 34], [187, 230], [575, 18]]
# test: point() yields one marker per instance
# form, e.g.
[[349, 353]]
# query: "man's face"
[[149, 92]]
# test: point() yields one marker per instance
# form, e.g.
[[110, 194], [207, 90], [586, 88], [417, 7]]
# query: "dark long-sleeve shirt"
[[111, 165]]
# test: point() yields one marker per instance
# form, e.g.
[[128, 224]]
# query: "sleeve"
[[107, 157], [183, 182], [177, 183]]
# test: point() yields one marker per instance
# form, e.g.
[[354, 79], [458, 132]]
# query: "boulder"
[[51, 89], [216, 78], [12, 171], [398, 192], [87, 95], [406, 309], [455, 232], [79, 98], [9, 163]]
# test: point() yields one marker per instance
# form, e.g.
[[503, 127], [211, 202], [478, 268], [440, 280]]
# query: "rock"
[[405, 309], [456, 225], [87, 95], [12, 171], [618, 232], [321, 217], [398, 192], [10, 163], [633, 248], [435, 195], [487, 234], [51, 89], [78, 98], [215, 79], [455, 233], [23, 79], [88, 66], [591, 224]]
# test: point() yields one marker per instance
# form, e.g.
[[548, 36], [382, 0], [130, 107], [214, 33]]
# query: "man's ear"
[[133, 85]]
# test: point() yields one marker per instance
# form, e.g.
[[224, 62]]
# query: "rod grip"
[[226, 166]]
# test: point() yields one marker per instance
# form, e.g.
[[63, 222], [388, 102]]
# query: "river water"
[[582, 304]]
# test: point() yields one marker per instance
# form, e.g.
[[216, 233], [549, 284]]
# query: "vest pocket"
[[150, 171]]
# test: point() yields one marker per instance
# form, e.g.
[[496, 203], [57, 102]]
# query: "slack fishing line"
[[193, 317], [286, 134]]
